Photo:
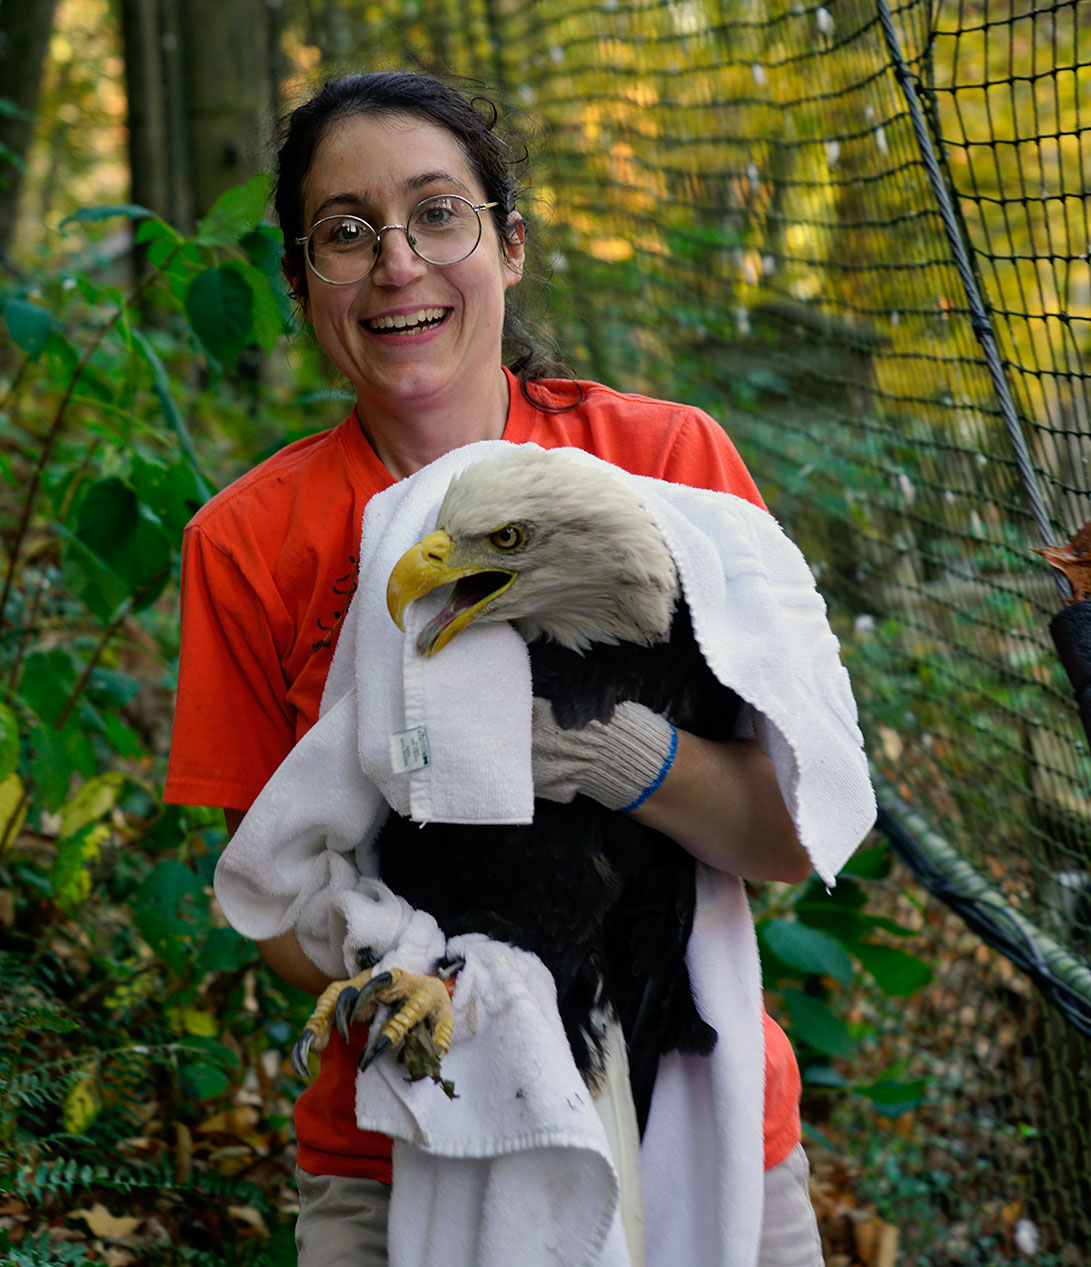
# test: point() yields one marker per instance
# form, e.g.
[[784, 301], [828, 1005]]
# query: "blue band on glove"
[[664, 770]]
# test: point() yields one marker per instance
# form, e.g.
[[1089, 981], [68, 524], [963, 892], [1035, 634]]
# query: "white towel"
[[465, 1170]]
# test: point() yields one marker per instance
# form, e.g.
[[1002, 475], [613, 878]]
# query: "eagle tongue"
[[469, 591]]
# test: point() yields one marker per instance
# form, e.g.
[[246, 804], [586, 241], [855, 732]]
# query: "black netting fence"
[[859, 235]]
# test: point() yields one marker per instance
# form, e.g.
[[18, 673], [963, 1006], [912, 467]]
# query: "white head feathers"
[[591, 564]]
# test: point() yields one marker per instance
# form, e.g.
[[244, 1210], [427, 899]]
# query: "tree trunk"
[[230, 93], [149, 137], [201, 78], [24, 41]]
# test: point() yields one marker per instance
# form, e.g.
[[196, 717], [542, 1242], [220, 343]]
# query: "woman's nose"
[[398, 263]]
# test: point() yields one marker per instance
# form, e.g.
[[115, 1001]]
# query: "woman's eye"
[[346, 234], [510, 537], [436, 217]]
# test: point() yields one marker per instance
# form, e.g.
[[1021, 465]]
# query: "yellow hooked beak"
[[428, 565]]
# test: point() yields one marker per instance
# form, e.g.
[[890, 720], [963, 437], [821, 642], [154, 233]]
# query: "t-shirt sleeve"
[[703, 456], [232, 723]]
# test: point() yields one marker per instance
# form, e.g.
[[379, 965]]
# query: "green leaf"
[[234, 213], [8, 155], [97, 797], [892, 1099], [9, 741], [9, 110], [47, 681], [30, 325], [896, 972], [807, 949], [169, 252], [206, 1075], [270, 316], [13, 809], [76, 736], [124, 740], [847, 894], [89, 579], [263, 249], [220, 308], [824, 1076], [129, 209], [171, 413], [203, 1081], [156, 230], [225, 950], [178, 265], [849, 927], [113, 689], [70, 873], [869, 864], [112, 523], [212, 1049], [172, 492], [49, 766], [171, 912], [814, 1023], [814, 1134]]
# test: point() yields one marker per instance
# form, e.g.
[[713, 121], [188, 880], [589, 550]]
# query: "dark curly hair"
[[472, 121]]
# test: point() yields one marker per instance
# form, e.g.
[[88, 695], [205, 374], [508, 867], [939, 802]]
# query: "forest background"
[[151, 354]]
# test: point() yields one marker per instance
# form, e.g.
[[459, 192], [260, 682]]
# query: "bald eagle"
[[567, 553]]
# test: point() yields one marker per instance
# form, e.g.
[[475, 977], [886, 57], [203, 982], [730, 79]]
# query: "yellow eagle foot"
[[316, 1033], [422, 1024]]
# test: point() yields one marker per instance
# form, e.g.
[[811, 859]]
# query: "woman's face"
[[379, 167]]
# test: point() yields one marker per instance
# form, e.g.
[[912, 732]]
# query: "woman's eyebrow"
[[338, 200], [357, 203], [433, 178]]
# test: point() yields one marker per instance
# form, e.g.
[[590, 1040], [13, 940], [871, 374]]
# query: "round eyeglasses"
[[442, 230]]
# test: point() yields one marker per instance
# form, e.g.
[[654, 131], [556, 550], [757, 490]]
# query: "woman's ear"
[[297, 288], [515, 234]]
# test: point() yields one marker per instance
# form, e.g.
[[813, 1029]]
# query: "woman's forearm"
[[721, 803], [284, 954]]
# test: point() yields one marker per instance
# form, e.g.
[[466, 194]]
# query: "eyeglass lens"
[[441, 230]]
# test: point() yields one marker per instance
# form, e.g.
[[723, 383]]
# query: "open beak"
[[428, 565]]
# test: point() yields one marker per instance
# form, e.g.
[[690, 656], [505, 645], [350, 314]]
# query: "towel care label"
[[409, 750]]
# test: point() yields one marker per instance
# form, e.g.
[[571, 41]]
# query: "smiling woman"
[[404, 246], [418, 337]]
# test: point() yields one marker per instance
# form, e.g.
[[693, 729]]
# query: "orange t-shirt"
[[268, 569]]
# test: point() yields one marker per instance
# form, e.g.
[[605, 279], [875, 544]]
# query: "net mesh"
[[738, 208]]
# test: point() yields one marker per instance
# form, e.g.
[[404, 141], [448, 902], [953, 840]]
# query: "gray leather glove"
[[619, 763]]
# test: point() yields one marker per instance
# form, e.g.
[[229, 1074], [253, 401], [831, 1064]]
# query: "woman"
[[402, 240]]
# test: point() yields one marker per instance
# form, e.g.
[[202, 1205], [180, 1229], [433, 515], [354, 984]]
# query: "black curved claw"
[[350, 1001], [374, 1052], [301, 1049], [346, 1001]]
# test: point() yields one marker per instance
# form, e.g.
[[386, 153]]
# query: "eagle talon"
[[316, 1033], [301, 1049], [422, 1024], [374, 1052]]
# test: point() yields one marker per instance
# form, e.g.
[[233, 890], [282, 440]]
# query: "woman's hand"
[[617, 763], [719, 800]]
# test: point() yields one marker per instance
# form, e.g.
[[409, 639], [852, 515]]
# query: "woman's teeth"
[[409, 322]]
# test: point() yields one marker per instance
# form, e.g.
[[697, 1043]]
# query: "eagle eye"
[[510, 537]]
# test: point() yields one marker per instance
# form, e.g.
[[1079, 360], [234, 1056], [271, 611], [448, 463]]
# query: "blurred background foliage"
[[729, 206]]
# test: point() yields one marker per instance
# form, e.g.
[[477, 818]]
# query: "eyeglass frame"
[[477, 208]]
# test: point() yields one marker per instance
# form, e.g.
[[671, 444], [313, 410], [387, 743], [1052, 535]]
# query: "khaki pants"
[[342, 1222]]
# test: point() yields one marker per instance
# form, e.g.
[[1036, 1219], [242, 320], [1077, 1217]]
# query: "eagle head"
[[556, 546]]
